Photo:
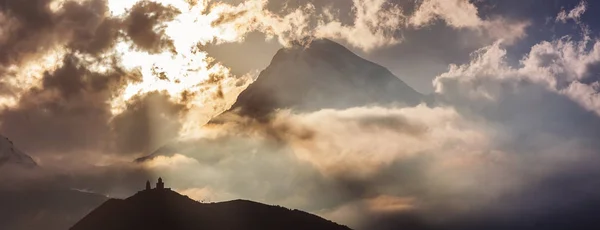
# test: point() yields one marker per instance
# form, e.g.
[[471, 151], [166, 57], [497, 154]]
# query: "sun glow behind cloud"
[[187, 73], [29, 75], [179, 71], [189, 76]]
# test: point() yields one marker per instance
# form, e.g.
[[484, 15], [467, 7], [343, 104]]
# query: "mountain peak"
[[314, 74], [163, 208], [313, 46], [310, 75], [9, 154], [315, 43]]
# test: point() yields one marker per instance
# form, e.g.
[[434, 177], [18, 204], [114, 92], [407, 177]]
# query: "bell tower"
[[160, 184]]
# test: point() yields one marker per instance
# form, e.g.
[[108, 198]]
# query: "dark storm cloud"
[[70, 113], [99, 40], [66, 114], [93, 32], [69, 80], [32, 28], [32, 33], [144, 25]]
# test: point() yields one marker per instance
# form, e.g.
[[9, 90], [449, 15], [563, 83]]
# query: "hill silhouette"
[[165, 209]]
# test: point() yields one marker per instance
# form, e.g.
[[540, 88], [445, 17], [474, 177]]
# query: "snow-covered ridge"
[[9, 154]]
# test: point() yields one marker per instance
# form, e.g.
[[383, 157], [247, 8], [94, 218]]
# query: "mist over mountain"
[[11, 155], [317, 74], [165, 209], [311, 75]]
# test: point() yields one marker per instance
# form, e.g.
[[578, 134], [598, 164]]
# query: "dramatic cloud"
[[145, 26], [464, 14], [457, 13], [498, 135], [34, 32], [31, 28], [77, 76], [88, 86], [68, 112], [376, 24], [563, 66]]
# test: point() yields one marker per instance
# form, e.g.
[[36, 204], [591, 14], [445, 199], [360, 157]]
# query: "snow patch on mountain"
[[9, 154]]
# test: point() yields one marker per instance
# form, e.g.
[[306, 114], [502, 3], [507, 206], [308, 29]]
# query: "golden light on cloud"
[[183, 66], [28, 75], [178, 66], [183, 71], [386, 203], [175, 161], [344, 144]]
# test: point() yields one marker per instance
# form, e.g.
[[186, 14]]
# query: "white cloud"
[[456, 13], [559, 66], [574, 14], [361, 141], [174, 162], [375, 22], [462, 14]]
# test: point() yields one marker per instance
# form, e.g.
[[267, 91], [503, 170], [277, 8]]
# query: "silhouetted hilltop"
[[166, 209]]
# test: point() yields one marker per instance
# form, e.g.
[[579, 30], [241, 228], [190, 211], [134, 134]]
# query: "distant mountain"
[[313, 75], [166, 209], [9, 154], [45, 209], [317, 74]]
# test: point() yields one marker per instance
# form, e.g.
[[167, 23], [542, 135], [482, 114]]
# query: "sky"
[[87, 86]]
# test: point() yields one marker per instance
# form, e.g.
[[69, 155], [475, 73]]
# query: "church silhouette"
[[160, 185]]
